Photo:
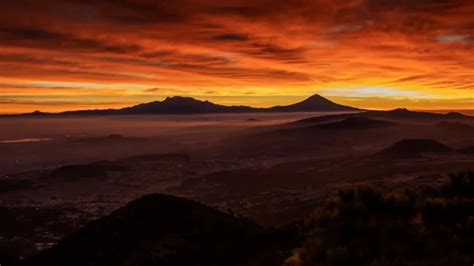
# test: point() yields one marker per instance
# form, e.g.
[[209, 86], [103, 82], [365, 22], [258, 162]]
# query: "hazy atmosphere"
[[236, 133]]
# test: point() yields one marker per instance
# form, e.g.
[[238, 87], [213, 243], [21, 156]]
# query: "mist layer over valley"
[[29, 143], [262, 174]]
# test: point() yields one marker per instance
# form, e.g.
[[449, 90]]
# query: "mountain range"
[[188, 105]]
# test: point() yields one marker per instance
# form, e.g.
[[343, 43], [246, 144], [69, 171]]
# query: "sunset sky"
[[60, 55]]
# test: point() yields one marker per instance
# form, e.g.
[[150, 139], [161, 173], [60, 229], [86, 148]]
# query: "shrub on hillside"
[[373, 226]]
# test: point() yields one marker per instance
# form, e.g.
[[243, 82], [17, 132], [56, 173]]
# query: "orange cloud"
[[118, 52]]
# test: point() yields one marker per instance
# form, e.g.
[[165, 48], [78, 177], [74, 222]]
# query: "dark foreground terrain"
[[165, 230], [332, 189], [361, 225], [367, 225]]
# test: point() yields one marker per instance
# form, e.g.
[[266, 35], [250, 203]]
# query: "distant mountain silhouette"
[[312, 104], [408, 147], [165, 230], [356, 122], [188, 105], [400, 114], [183, 105], [343, 134], [403, 113]]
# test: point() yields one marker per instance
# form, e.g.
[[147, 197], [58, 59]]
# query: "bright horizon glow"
[[77, 55]]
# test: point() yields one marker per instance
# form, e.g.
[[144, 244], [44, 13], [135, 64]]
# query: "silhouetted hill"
[[397, 114], [403, 113], [415, 147], [188, 105], [376, 225], [165, 230], [312, 104], [356, 122], [351, 133], [97, 171], [326, 128], [183, 105]]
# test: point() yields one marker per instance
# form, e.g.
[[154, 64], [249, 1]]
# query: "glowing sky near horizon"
[[60, 55]]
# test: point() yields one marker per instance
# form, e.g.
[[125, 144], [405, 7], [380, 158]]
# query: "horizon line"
[[461, 110]]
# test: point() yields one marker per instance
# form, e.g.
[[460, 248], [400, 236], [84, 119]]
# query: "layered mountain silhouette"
[[340, 134], [188, 105], [315, 103], [367, 120], [165, 230], [356, 122], [400, 114]]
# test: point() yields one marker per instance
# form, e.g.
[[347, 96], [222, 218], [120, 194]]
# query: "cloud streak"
[[230, 48]]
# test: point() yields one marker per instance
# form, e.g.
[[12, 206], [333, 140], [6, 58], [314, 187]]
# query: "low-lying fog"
[[29, 143]]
